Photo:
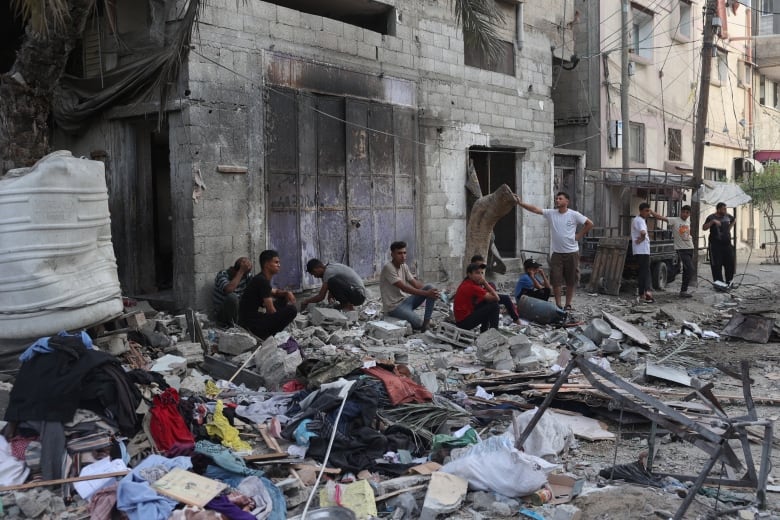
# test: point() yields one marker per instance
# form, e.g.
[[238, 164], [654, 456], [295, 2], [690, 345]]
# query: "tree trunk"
[[27, 89], [493, 259], [485, 213]]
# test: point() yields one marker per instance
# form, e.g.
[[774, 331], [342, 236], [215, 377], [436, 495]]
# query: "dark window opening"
[[675, 144], [11, 36], [367, 14], [497, 166], [505, 64], [162, 210], [714, 174]]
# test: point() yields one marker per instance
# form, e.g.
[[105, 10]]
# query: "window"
[[507, 33], [674, 138], [684, 29], [723, 67], [368, 14], [744, 74], [642, 32], [714, 174], [762, 90], [636, 140], [767, 8]]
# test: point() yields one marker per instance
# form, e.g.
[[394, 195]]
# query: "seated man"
[[534, 282], [396, 281], [344, 284], [265, 310], [229, 285], [476, 301], [503, 299]]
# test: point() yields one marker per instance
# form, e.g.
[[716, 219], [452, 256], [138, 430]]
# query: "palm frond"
[[424, 419], [478, 20], [43, 16]]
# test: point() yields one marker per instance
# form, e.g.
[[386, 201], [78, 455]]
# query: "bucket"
[[538, 311], [331, 513], [597, 330], [57, 264]]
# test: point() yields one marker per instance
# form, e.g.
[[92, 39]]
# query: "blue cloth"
[[136, 497], [525, 282], [42, 345]]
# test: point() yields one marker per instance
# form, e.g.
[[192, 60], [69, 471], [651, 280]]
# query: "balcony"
[[767, 57]]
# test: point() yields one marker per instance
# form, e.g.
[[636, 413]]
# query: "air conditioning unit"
[[615, 135]]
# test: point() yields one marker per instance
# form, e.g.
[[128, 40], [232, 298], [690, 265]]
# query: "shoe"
[[568, 308], [685, 294]]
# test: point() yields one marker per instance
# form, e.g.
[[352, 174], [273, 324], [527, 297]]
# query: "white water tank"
[[57, 265]]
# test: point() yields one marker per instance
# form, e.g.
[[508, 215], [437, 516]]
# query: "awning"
[[712, 192], [767, 155]]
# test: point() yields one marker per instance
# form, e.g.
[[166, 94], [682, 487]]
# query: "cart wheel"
[[660, 272]]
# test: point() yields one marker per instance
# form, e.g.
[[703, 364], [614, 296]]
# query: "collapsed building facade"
[[319, 132]]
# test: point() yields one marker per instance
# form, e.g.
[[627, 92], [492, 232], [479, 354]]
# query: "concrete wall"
[[220, 120]]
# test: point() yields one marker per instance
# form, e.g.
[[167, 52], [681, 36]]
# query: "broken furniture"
[[712, 437]]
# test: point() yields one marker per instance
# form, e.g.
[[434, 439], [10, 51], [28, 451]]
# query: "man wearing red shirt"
[[476, 301]]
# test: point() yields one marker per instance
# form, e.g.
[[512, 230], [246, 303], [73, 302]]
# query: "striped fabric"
[[221, 281]]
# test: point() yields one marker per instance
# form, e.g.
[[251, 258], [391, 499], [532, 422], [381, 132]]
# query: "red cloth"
[[401, 389], [167, 425], [468, 295]]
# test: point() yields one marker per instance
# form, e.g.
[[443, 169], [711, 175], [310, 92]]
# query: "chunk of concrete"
[[235, 343], [429, 381], [445, 495], [566, 512], [327, 317], [192, 352], [274, 364], [385, 330]]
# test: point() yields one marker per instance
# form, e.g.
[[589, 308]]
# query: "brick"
[[385, 330], [236, 343]]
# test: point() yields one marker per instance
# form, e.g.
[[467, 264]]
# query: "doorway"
[[497, 166]]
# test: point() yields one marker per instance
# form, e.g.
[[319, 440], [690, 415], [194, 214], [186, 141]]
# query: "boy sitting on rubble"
[[476, 301], [533, 283]]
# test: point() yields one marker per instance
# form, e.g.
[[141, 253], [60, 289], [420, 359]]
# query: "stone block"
[[192, 352], [385, 330], [234, 343], [491, 338], [327, 317], [116, 344], [445, 494], [454, 335], [566, 512], [430, 381]]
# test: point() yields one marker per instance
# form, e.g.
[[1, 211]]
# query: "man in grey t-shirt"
[[565, 258], [343, 283], [683, 244]]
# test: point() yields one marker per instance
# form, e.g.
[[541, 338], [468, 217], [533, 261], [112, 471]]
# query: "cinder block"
[[134, 321], [385, 330], [192, 352], [456, 336], [327, 317]]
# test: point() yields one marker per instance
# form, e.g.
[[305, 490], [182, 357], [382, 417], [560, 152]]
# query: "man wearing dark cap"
[[476, 301], [534, 282], [343, 283]]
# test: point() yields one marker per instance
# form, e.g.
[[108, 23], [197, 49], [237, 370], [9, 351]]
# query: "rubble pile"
[[351, 415]]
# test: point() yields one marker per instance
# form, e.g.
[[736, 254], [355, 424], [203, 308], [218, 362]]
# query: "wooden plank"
[[608, 265], [58, 481]]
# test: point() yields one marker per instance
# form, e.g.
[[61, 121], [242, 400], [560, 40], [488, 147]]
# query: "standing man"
[[565, 258], [476, 301], [396, 282], [640, 246], [683, 244], [265, 310], [721, 255], [344, 284], [229, 285]]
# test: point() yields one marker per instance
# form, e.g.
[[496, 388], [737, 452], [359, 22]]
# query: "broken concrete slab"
[[235, 343], [385, 330], [626, 328], [668, 374]]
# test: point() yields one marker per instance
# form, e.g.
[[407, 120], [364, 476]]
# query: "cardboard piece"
[[424, 469], [564, 487], [188, 488]]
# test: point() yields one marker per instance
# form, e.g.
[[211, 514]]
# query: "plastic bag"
[[548, 438], [495, 465]]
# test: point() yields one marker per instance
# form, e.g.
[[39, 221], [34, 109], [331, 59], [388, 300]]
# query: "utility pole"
[[707, 49], [625, 117]]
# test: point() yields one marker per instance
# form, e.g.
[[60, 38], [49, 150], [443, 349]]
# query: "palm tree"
[[54, 27]]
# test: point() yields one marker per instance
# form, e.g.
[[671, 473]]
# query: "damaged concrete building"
[[317, 131]]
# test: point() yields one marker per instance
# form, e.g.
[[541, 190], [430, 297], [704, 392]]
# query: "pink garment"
[[102, 502]]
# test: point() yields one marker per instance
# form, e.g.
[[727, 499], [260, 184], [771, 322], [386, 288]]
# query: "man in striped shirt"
[[229, 285]]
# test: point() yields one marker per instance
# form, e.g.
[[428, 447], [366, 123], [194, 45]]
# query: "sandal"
[[568, 308]]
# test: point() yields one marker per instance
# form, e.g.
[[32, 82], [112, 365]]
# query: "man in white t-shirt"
[[640, 246], [683, 244], [565, 258]]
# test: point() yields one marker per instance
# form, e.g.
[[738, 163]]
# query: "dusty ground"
[[759, 283]]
